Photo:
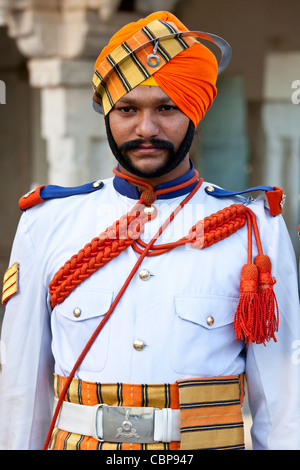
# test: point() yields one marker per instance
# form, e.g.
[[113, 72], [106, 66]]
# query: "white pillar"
[[77, 149], [281, 118], [62, 39]]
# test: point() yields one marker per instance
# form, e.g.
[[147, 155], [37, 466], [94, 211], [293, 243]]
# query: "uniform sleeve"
[[273, 371], [26, 380]]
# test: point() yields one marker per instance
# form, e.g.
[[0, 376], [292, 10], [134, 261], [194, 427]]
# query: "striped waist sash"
[[210, 412]]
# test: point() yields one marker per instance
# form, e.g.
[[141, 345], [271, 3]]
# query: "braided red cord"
[[98, 252], [110, 243], [126, 232], [257, 316], [206, 232]]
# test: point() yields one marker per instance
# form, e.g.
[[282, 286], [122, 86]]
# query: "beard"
[[127, 163], [172, 160]]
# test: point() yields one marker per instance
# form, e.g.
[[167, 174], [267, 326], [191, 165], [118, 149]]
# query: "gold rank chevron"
[[10, 282]]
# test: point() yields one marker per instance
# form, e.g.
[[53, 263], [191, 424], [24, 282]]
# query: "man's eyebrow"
[[130, 100]]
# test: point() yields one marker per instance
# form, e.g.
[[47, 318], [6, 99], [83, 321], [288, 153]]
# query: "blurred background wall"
[[50, 134]]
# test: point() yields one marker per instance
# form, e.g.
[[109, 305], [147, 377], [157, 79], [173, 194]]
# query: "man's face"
[[148, 129]]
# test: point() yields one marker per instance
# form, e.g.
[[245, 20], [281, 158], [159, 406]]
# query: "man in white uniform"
[[177, 326]]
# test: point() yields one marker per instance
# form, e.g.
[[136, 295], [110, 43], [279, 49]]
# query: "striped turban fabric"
[[187, 70]]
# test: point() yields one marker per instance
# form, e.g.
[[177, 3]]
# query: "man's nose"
[[147, 126]]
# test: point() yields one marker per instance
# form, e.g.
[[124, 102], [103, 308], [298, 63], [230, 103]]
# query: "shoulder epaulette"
[[274, 195], [43, 192]]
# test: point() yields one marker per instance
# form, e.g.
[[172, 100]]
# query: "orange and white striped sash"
[[210, 413], [209, 408]]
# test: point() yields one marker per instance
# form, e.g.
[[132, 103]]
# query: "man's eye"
[[168, 107], [126, 109]]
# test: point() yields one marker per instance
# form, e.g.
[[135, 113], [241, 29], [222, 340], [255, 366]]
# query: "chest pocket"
[[73, 323], [203, 342]]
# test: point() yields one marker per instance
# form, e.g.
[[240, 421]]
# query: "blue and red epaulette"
[[44, 192], [274, 195]]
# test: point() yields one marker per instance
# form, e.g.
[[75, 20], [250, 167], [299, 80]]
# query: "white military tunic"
[[174, 321]]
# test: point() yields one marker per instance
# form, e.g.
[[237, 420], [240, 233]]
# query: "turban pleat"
[[189, 80]]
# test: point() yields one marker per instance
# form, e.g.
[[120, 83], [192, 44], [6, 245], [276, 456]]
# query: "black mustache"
[[157, 143]]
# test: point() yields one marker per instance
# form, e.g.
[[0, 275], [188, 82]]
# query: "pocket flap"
[[83, 304], [205, 310]]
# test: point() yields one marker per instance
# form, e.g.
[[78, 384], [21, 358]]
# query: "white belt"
[[120, 423]]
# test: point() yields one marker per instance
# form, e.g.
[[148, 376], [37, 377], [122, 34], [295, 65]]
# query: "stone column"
[[62, 39], [281, 117], [77, 149], [223, 149]]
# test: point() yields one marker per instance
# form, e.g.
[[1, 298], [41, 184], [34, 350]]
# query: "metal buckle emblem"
[[127, 430], [128, 424]]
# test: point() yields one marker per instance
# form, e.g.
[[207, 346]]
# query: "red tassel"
[[256, 318], [245, 320], [267, 299]]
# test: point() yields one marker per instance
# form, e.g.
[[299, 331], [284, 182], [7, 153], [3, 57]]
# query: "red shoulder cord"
[[110, 243], [256, 318], [252, 322]]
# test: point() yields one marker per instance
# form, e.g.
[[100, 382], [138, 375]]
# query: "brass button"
[[76, 312], [138, 344], [96, 184], [210, 189], [144, 274], [210, 320], [149, 210]]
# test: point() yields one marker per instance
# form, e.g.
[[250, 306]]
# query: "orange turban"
[[187, 71]]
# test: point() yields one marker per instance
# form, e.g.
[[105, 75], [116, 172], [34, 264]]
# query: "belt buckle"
[[126, 424]]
